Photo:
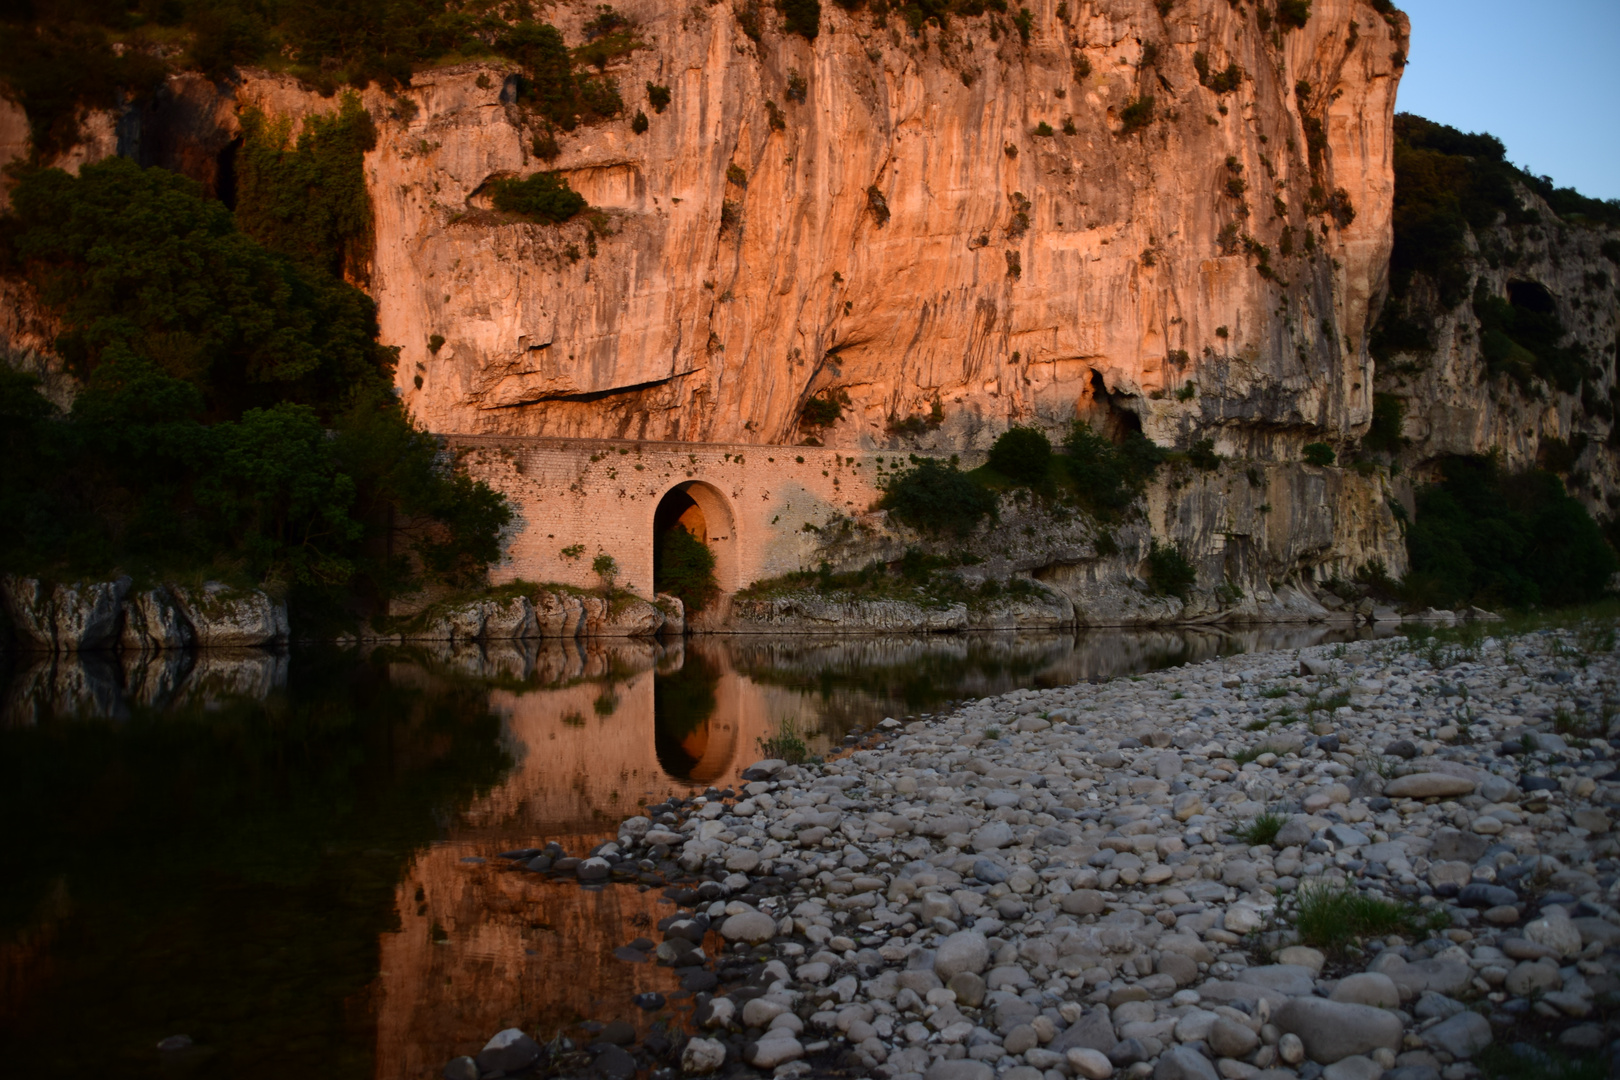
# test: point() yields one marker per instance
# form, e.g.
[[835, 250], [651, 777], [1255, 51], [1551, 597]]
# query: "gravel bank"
[[1104, 880]]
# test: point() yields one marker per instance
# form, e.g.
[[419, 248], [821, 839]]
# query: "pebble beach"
[[1382, 859]]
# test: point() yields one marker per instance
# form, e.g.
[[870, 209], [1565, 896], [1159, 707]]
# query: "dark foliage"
[[1519, 337], [237, 411], [1108, 478], [308, 199], [937, 497], [1319, 454], [657, 96], [1395, 333], [1023, 455], [1137, 114], [1025, 22], [1446, 182], [1384, 433], [1486, 536], [542, 197], [802, 17], [1293, 14], [823, 410], [1202, 455], [550, 84], [1169, 572], [684, 567], [55, 63]]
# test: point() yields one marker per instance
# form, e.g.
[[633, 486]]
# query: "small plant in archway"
[[685, 569], [606, 567]]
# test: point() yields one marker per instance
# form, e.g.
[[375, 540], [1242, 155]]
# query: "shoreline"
[[1048, 882]]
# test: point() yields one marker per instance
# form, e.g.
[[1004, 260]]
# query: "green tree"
[[1023, 455], [236, 412], [307, 198], [936, 497], [1487, 536]]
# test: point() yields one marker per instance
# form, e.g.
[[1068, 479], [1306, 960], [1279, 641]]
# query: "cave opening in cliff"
[[225, 173], [690, 523]]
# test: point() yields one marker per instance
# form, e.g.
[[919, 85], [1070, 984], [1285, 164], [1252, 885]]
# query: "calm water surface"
[[281, 856]]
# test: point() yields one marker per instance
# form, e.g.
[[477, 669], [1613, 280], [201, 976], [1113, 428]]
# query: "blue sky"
[[1543, 77]]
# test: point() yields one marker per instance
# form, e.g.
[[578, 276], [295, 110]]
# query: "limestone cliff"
[[1456, 395], [957, 215], [907, 234]]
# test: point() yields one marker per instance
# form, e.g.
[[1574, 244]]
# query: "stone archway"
[[704, 512]]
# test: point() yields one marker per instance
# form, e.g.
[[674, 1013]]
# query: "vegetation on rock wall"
[[1169, 572], [1023, 455], [307, 199], [938, 497], [236, 415], [62, 57], [1486, 536], [1107, 477], [1448, 182], [542, 197]]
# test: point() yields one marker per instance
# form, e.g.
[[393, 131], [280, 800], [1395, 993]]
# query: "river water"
[[290, 857]]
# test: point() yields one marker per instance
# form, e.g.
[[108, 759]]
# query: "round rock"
[[750, 926], [965, 950], [702, 1056]]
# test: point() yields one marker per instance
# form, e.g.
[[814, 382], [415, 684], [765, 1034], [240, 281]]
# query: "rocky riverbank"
[[1381, 859]]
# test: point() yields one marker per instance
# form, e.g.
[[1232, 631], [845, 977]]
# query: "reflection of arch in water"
[[704, 512], [684, 705]]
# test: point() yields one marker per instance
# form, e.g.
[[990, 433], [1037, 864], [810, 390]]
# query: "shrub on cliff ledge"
[[1023, 455], [542, 197], [936, 497], [802, 17], [1106, 477], [1169, 572]]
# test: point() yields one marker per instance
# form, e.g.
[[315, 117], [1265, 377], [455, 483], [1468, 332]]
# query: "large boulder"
[[623, 616], [674, 614], [558, 614], [66, 617], [1332, 1030], [153, 622], [224, 617]]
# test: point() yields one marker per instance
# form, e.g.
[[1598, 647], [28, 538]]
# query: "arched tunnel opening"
[[683, 557]]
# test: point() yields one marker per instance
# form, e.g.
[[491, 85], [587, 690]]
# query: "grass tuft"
[[1332, 916], [1262, 829], [787, 744]]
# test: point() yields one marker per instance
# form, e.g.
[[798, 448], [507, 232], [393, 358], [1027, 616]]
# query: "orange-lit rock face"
[[909, 233]]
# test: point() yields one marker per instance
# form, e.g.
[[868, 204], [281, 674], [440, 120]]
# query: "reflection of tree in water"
[[231, 861], [683, 702]]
